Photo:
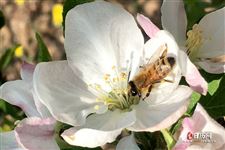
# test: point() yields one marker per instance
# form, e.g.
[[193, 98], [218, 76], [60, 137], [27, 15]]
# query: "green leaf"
[[2, 105], [214, 101], [69, 4], [82, 148], [43, 53], [7, 57], [195, 97], [168, 138], [150, 140], [2, 19], [196, 9]]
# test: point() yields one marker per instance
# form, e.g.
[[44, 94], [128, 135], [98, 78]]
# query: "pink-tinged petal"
[[89, 137], [174, 19], [211, 67], [182, 146], [127, 143], [188, 124], [192, 75], [19, 93], [26, 71], [201, 123], [8, 141], [150, 28], [65, 95], [164, 114], [36, 134], [205, 123]]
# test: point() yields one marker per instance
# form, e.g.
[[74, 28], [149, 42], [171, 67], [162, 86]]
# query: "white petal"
[[98, 36], [63, 93], [8, 141], [201, 122], [213, 30], [26, 71], [212, 67], [42, 109], [19, 93], [89, 137], [164, 114], [99, 129], [127, 142], [174, 19], [36, 134], [111, 120], [192, 75]]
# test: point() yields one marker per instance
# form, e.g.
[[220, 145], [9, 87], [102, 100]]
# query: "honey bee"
[[150, 74]]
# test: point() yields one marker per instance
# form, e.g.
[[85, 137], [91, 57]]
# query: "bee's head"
[[171, 61], [133, 89]]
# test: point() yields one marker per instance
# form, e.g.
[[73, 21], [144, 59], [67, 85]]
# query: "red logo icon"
[[189, 136]]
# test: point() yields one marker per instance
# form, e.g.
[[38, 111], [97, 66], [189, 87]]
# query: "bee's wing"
[[161, 51]]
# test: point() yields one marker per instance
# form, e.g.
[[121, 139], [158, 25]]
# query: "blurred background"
[[23, 18]]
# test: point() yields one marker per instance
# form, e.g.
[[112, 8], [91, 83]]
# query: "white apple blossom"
[[205, 42], [201, 132], [35, 132], [89, 90]]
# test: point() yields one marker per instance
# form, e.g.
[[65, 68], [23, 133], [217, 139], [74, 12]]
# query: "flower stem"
[[168, 138]]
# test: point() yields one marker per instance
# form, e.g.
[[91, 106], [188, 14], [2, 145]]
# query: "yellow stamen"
[[72, 137], [113, 67], [194, 41], [218, 59], [96, 107], [117, 96], [97, 87], [123, 75], [106, 77]]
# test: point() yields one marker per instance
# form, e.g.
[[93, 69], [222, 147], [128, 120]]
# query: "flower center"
[[117, 97], [194, 40]]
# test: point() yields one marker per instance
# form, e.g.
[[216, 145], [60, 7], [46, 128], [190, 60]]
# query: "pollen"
[[113, 67], [97, 87], [72, 137], [97, 107], [106, 77], [123, 75], [114, 94], [194, 40]]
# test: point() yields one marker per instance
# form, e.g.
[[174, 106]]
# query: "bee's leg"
[[148, 93], [142, 66], [164, 54], [165, 80]]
